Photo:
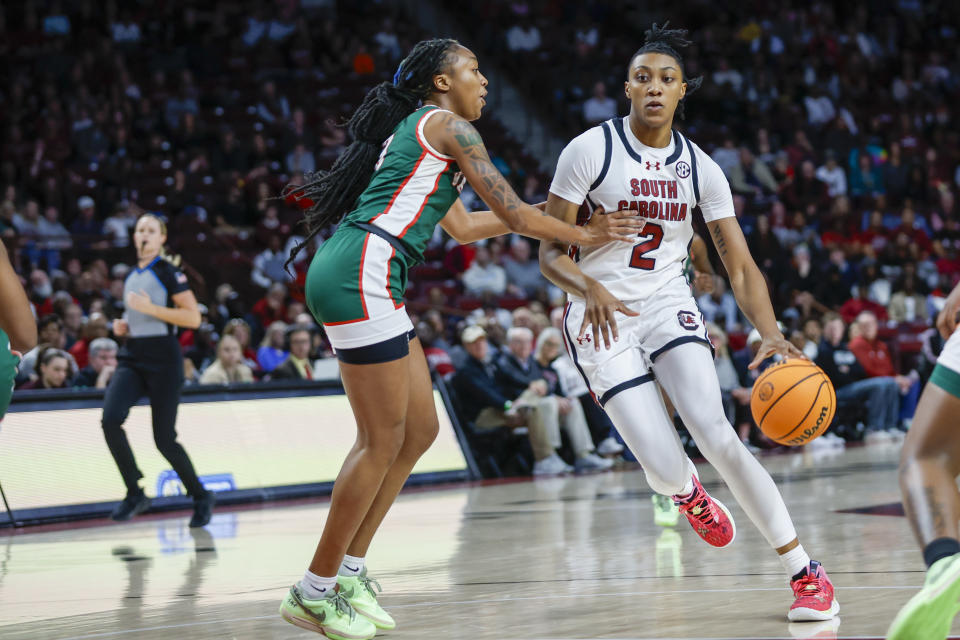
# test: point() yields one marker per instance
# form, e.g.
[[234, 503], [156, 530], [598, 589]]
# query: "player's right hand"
[[947, 320], [622, 226], [601, 305], [120, 327]]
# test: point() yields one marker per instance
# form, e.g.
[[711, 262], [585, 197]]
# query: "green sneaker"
[[331, 615], [665, 512], [929, 613], [364, 599]]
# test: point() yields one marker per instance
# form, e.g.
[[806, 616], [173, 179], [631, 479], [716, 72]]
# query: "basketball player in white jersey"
[[640, 307]]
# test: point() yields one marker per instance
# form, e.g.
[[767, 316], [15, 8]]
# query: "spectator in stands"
[[300, 160], [229, 366], [751, 176], [297, 366], [832, 175], [518, 372], [853, 385], [272, 307], [102, 364], [86, 225], [570, 385], [812, 334], [240, 330], [735, 397], [438, 360], [95, 327], [874, 356], [484, 276], [523, 272], [272, 108], [857, 304], [72, 324], [489, 406], [53, 238], [523, 36], [53, 371], [120, 225], [271, 352], [203, 350], [907, 304], [720, 306], [600, 107], [268, 266]]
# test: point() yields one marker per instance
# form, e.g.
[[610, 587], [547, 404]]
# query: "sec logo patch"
[[683, 169]]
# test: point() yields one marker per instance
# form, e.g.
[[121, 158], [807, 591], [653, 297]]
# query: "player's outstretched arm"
[[750, 289], [560, 269], [454, 136], [16, 319]]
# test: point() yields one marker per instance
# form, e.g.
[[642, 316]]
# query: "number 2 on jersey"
[[654, 235]]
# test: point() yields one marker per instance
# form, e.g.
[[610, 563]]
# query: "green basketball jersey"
[[9, 362], [412, 188]]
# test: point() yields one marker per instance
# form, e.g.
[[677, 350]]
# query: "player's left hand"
[[138, 301], [775, 344]]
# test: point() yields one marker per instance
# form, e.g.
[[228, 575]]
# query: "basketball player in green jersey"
[[413, 147], [18, 329], [929, 466]]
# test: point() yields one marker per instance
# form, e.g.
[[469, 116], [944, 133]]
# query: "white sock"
[[352, 566], [795, 560], [315, 587], [687, 490]]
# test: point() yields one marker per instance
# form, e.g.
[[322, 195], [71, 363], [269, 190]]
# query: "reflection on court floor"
[[553, 558]]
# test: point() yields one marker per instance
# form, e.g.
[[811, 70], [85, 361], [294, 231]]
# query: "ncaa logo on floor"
[[687, 320]]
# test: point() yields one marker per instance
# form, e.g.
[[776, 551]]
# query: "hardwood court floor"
[[575, 557]]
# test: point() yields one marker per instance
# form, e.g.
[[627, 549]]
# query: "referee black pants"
[[151, 367]]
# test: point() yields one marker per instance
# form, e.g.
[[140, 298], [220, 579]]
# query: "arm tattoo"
[[719, 240], [496, 187]]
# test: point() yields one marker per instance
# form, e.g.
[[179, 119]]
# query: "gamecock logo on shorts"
[[683, 169], [687, 320]]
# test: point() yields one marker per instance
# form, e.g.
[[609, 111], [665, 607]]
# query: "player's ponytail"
[[660, 39], [327, 196]]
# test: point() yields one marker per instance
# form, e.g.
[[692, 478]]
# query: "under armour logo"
[[583, 339], [656, 165]]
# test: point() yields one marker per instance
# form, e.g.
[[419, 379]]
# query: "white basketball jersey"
[[608, 167]]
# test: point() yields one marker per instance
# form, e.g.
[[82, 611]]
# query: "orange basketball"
[[793, 402]]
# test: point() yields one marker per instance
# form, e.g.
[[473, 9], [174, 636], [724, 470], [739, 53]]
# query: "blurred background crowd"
[[835, 123]]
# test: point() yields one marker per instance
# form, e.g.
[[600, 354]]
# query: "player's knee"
[[384, 443], [420, 437], [718, 441]]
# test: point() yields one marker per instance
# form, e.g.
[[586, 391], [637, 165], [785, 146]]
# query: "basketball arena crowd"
[[836, 125]]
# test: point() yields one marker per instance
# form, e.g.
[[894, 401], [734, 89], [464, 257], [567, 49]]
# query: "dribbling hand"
[[619, 226], [773, 345], [601, 305]]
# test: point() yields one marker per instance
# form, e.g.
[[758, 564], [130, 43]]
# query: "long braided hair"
[[327, 196], [660, 39]]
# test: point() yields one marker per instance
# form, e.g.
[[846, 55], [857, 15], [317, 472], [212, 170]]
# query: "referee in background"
[[158, 301]]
